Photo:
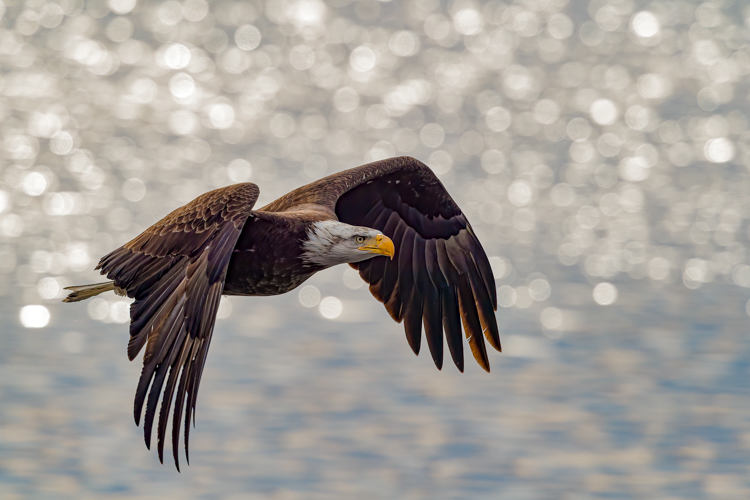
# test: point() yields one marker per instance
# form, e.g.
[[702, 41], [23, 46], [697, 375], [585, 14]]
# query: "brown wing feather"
[[440, 275], [175, 271]]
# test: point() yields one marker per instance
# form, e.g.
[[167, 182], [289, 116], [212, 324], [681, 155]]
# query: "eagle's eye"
[[359, 239]]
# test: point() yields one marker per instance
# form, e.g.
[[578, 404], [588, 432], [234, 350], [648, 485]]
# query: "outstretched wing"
[[440, 276], [175, 272]]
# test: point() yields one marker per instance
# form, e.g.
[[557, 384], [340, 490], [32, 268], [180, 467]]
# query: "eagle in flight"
[[392, 220]]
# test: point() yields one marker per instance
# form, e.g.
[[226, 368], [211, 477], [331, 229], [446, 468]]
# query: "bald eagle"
[[392, 220]]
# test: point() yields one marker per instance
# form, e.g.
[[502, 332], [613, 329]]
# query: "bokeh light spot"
[[331, 307], [468, 21], [177, 56], [506, 296], [119, 311], [552, 320], [221, 115], [363, 59], [309, 296], [182, 85], [498, 119], [645, 24], [34, 316], [225, 308], [352, 280], [247, 37], [560, 26], [520, 193], [304, 13], [440, 161], [121, 6], [540, 289], [34, 184], [605, 294], [404, 43], [432, 135], [603, 111], [98, 309], [500, 267], [134, 190], [720, 150]]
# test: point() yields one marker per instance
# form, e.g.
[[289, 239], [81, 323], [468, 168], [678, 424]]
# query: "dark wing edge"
[[440, 277], [175, 271]]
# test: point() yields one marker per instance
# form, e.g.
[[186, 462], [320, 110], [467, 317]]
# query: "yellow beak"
[[381, 245]]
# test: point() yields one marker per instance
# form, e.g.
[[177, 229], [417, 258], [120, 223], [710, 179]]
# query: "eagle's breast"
[[267, 259]]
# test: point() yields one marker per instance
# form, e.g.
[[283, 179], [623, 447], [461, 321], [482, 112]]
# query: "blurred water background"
[[600, 149]]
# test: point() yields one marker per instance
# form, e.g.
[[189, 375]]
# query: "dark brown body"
[[267, 257]]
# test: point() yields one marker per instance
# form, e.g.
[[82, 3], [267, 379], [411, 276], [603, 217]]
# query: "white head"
[[331, 242]]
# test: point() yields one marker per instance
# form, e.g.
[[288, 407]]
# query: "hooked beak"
[[381, 245]]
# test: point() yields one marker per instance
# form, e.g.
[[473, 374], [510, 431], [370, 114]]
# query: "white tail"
[[83, 292]]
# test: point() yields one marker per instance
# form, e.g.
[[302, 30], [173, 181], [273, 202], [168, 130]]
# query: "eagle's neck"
[[326, 244], [322, 241]]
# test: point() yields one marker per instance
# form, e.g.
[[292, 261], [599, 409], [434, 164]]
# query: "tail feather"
[[83, 292]]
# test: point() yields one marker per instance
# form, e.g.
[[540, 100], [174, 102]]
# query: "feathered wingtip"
[[83, 292]]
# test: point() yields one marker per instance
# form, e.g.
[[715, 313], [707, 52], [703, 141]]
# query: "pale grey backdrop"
[[600, 150]]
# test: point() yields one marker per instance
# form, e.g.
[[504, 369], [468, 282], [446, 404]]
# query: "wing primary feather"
[[201, 365], [373, 272], [142, 390], [162, 333], [456, 254], [364, 269], [166, 404], [406, 264], [431, 263], [179, 406], [413, 322], [419, 269], [145, 306], [450, 304], [470, 320], [145, 313], [198, 357], [473, 248], [174, 371], [375, 278], [188, 403], [168, 347], [196, 293], [446, 266], [153, 399], [452, 325], [377, 268], [485, 271], [433, 326], [167, 344], [409, 295], [484, 308], [392, 277], [149, 284]]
